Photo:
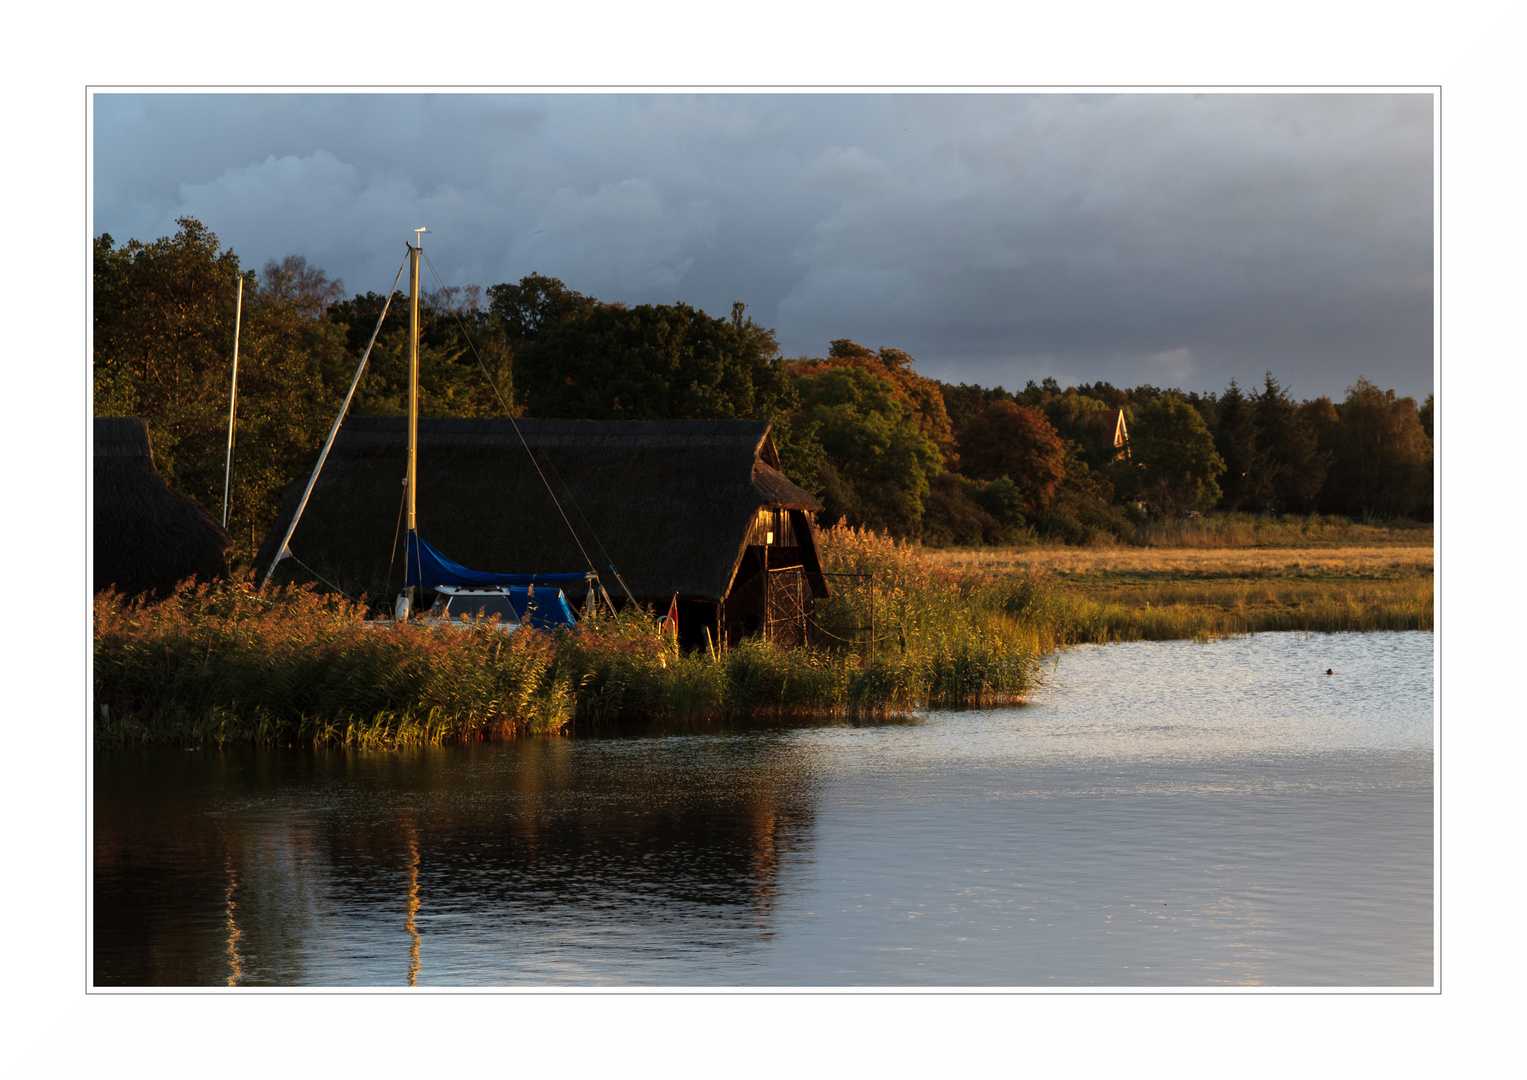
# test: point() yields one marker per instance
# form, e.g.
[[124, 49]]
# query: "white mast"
[[233, 398]]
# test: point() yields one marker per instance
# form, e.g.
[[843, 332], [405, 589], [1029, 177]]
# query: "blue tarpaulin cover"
[[429, 568], [544, 608]]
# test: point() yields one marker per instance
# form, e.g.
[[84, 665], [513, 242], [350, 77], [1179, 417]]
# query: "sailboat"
[[518, 599]]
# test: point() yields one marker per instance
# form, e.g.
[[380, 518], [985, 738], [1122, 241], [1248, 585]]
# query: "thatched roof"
[[148, 536], [668, 502]]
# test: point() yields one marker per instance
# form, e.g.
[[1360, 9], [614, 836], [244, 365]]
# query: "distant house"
[[148, 536], [696, 509], [1111, 421]]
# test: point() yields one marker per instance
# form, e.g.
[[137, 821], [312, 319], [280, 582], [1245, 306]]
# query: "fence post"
[[800, 595], [872, 618], [766, 624]]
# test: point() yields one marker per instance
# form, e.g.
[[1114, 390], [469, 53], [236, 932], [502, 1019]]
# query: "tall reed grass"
[[901, 630], [214, 664], [959, 637], [222, 663]]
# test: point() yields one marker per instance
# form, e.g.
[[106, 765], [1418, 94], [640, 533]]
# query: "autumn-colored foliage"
[[1016, 441]]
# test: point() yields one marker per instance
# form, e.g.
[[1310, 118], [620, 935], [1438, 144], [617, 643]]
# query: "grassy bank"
[[214, 665]]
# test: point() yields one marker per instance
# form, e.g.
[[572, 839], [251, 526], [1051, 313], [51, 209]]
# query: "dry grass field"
[[1073, 563], [1125, 593], [1256, 530]]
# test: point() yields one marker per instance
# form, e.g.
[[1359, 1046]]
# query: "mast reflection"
[[545, 859], [413, 905], [235, 961]]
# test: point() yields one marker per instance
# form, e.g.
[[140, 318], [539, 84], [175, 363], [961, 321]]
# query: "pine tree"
[[1296, 466], [1247, 483]]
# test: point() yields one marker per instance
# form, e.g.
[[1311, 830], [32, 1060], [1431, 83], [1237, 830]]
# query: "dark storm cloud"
[[1175, 239]]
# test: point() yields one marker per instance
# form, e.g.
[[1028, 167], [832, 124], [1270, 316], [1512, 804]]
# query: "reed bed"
[[218, 664], [965, 632], [903, 629]]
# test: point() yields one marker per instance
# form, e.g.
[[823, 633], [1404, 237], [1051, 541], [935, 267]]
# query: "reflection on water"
[[1163, 814], [235, 962], [413, 907]]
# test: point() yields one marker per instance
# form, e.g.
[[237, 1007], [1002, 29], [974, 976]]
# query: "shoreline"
[[214, 665]]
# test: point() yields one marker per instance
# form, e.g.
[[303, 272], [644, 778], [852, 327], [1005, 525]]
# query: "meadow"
[[1310, 574], [1236, 530]]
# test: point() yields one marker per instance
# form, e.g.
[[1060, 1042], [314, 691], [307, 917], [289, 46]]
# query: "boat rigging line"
[[509, 413], [283, 551], [323, 579]]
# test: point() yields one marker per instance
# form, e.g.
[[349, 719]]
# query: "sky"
[[1167, 238]]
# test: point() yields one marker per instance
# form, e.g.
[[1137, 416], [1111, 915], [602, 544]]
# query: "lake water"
[[1162, 814]]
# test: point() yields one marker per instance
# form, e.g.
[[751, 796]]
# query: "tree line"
[[877, 443]]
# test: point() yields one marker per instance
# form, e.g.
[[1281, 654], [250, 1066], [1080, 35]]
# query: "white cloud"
[[1177, 363]]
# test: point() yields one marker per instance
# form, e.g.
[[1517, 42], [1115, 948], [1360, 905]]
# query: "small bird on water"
[[1330, 672]]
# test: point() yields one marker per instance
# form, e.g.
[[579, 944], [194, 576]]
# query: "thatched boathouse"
[[148, 536], [696, 509]]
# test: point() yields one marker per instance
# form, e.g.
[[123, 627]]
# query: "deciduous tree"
[[923, 397], [1085, 421], [1174, 452], [536, 303], [878, 461], [164, 328], [163, 342], [1380, 455], [1016, 441], [651, 362]]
